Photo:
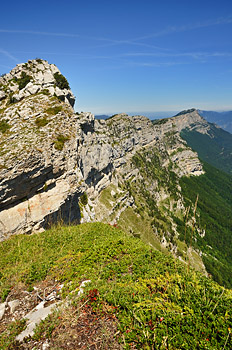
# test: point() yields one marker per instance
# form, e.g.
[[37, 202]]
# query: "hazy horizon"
[[155, 114]]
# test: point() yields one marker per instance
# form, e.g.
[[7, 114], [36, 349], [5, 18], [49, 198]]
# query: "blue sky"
[[127, 56]]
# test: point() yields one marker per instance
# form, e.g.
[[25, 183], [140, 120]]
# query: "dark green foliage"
[[59, 142], [4, 126], [61, 81], [45, 92], [11, 98], [7, 338], [53, 110], [150, 165], [156, 299], [23, 80], [159, 121], [38, 60], [5, 291], [40, 122], [215, 149], [215, 209], [45, 328], [84, 199], [185, 112]]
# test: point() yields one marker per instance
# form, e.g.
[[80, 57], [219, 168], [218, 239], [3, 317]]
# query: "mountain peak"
[[186, 111], [191, 119], [31, 78]]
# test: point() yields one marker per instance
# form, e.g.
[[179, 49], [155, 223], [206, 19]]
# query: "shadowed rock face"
[[51, 156]]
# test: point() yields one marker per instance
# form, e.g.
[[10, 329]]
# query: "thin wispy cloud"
[[5, 66], [195, 55], [9, 31], [157, 64], [184, 28], [124, 58], [107, 41], [8, 54], [132, 41], [69, 35]]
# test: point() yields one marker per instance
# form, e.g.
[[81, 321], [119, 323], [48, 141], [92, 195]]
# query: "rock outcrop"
[[187, 119], [34, 77], [51, 157]]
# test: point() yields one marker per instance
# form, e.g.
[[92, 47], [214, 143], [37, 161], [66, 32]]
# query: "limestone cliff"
[[60, 165]]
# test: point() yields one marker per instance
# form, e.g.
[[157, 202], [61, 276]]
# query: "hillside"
[[136, 297], [58, 167], [214, 147], [214, 210], [223, 119]]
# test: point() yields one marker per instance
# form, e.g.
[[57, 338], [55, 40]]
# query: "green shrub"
[[7, 338], [59, 142], [61, 81], [4, 126], [5, 291], [53, 110], [45, 328], [84, 199], [24, 80], [11, 98], [40, 122], [38, 60], [45, 92]]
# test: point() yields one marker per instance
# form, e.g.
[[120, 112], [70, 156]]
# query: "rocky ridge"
[[33, 77], [52, 157]]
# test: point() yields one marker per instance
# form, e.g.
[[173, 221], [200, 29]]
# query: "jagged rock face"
[[42, 183], [38, 149], [51, 156], [38, 166], [34, 77]]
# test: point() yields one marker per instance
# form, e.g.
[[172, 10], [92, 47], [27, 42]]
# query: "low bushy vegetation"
[[84, 199], [4, 126], [158, 302], [53, 110], [41, 121], [7, 338], [60, 141], [38, 60], [61, 81], [185, 112], [23, 80], [160, 121]]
